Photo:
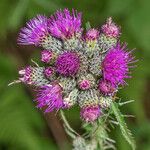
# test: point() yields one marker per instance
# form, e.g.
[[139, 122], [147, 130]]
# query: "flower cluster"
[[80, 68]]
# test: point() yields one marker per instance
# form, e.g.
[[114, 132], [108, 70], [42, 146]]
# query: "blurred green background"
[[22, 126]]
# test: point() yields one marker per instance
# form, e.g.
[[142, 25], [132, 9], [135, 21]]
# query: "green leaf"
[[88, 26], [124, 129]]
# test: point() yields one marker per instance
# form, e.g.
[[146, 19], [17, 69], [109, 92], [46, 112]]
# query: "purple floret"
[[48, 71], [92, 34], [84, 84], [106, 88], [25, 75], [90, 113], [67, 64], [35, 30], [116, 65], [64, 24], [46, 56], [50, 96], [110, 28]]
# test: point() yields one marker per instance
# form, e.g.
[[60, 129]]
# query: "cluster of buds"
[[84, 69]]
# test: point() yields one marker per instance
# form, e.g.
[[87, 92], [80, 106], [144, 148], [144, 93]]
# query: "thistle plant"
[[82, 68]]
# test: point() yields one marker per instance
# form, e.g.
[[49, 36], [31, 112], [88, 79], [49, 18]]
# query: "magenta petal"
[[90, 113], [116, 65], [67, 64], [50, 96], [35, 30], [64, 24]]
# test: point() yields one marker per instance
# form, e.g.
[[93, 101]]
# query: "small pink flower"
[[110, 29], [90, 113], [92, 34], [48, 71], [106, 87], [46, 56], [25, 75], [84, 84]]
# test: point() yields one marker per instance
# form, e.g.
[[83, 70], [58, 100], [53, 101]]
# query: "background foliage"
[[22, 126]]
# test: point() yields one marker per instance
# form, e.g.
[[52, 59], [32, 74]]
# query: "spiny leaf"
[[102, 135], [125, 131]]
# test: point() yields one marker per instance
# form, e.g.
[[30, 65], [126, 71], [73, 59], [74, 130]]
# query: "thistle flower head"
[[86, 82], [49, 71], [78, 69], [34, 32], [25, 75], [90, 113], [67, 64], [46, 56], [110, 29], [50, 96], [92, 34], [89, 103], [106, 87], [33, 76], [116, 65], [65, 24]]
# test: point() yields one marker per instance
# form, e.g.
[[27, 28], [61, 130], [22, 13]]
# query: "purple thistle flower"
[[63, 24], [67, 64], [106, 88], [90, 113], [84, 70], [110, 29], [46, 56], [50, 96], [116, 65], [86, 81], [92, 34], [85, 84], [34, 32], [26, 75], [48, 72], [33, 76]]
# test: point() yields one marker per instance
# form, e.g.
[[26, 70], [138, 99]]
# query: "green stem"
[[68, 128], [98, 132]]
